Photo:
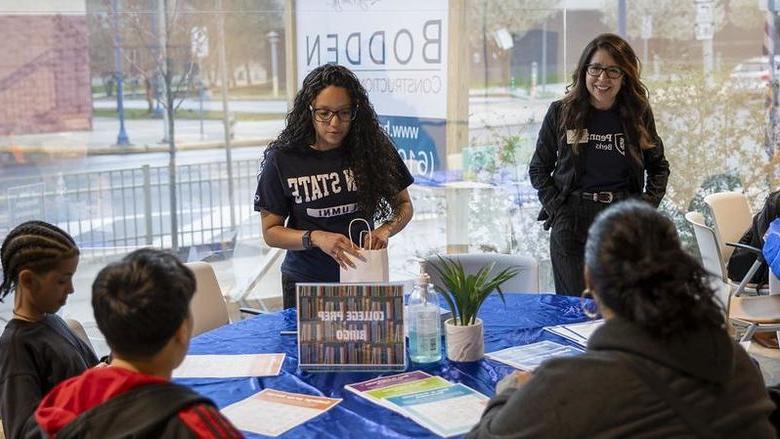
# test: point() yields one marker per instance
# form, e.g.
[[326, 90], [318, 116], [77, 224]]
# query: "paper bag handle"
[[368, 226]]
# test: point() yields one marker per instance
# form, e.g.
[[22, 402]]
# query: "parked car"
[[753, 74]]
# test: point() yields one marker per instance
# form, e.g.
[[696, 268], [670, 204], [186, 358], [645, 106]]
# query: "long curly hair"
[[639, 270], [370, 152], [632, 100]]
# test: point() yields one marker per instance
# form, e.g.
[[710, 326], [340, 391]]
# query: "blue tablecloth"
[[519, 322]]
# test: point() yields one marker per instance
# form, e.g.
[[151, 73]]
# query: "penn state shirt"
[[315, 190], [606, 167]]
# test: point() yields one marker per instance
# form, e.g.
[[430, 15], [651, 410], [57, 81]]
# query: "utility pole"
[[771, 51], [121, 138], [705, 30], [226, 123], [621, 18]]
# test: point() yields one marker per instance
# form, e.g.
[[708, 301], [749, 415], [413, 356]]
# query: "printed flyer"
[[444, 408], [272, 412], [529, 357], [357, 327]]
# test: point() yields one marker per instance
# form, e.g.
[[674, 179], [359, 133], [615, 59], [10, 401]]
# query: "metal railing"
[[130, 207]]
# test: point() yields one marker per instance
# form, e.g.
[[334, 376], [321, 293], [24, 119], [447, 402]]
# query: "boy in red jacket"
[[141, 306]]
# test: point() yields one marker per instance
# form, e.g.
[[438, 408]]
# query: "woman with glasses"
[[661, 366], [331, 163], [596, 146]]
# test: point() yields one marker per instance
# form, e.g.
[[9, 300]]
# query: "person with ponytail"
[[331, 163], [662, 364], [596, 146], [37, 349]]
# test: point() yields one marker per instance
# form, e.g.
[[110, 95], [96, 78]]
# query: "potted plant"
[[465, 294]]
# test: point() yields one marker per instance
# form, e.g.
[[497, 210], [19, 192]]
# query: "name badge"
[[570, 137]]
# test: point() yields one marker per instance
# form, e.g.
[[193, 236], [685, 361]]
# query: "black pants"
[[289, 296], [567, 243]]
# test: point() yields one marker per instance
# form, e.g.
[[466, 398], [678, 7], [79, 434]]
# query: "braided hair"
[[640, 271], [36, 246]]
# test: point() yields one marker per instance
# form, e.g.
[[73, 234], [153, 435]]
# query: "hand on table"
[[337, 246], [514, 380]]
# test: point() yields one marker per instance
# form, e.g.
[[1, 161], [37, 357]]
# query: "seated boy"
[[142, 307]]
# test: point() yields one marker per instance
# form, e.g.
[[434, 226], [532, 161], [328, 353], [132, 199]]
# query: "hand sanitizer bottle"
[[424, 322]]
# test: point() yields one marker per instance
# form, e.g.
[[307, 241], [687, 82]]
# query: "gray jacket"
[[598, 395]]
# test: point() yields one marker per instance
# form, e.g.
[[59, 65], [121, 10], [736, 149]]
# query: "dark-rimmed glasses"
[[596, 69], [324, 115]]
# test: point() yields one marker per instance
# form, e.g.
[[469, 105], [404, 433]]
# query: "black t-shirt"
[[35, 357], [605, 163], [314, 190]]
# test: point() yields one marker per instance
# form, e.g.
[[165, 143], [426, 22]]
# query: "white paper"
[[577, 332], [529, 357], [229, 366], [272, 412], [447, 411]]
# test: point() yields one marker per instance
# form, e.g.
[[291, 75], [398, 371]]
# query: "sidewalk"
[[234, 106], [145, 135]]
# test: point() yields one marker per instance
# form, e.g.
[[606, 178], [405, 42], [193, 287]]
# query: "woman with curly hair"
[[596, 146], [661, 365], [331, 163]]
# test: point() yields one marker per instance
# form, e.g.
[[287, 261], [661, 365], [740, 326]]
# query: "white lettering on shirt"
[[351, 187], [310, 188], [326, 212], [608, 142], [334, 185]]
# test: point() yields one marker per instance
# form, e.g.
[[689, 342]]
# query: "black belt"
[[602, 197]]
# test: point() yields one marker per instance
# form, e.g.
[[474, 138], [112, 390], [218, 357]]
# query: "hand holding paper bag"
[[374, 267]]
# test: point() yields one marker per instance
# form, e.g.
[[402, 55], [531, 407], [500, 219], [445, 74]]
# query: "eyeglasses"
[[596, 69], [324, 115]]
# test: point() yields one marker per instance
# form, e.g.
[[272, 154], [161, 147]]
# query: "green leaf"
[[467, 292]]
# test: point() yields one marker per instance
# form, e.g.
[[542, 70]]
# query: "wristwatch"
[[306, 240]]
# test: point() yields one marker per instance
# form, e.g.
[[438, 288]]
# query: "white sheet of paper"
[[272, 412], [229, 366], [577, 332], [529, 357], [447, 411]]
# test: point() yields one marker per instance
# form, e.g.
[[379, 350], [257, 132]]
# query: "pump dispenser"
[[424, 321]]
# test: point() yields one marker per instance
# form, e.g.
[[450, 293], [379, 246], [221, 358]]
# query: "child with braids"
[[37, 349]]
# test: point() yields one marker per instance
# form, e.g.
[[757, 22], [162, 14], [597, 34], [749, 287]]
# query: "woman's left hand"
[[379, 238], [514, 380]]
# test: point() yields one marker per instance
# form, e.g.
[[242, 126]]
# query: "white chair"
[[208, 306], [526, 281], [732, 215], [756, 313], [77, 328]]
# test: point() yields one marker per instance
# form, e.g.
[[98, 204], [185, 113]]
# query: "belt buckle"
[[604, 197]]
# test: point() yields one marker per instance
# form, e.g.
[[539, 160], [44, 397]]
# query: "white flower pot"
[[465, 343]]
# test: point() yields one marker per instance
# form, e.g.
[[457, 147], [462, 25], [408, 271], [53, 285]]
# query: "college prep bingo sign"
[[398, 50], [357, 327]]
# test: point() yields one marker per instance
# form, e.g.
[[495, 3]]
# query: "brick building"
[[44, 70]]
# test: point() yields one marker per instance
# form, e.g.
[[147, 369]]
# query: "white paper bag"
[[376, 267]]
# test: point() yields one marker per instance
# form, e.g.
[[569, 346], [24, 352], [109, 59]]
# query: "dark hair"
[[140, 301], [640, 271], [370, 152], [632, 99], [36, 246]]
